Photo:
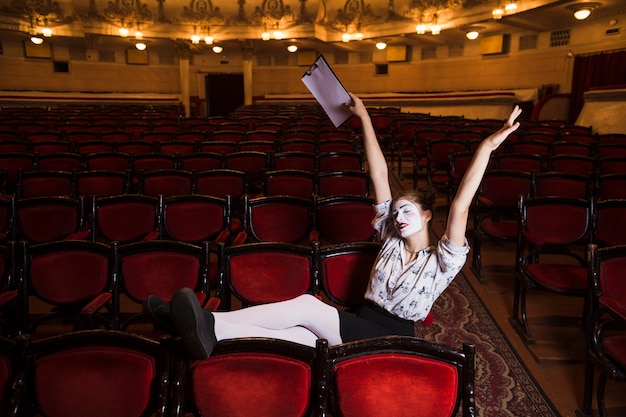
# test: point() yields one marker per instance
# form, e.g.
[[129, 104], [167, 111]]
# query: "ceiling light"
[[582, 10], [195, 39], [292, 48], [358, 36], [138, 35], [381, 45], [208, 40], [218, 49], [420, 29], [266, 36], [435, 29], [472, 34], [123, 32], [37, 40], [140, 46], [582, 14], [47, 32], [510, 7], [278, 34], [497, 13], [345, 37]]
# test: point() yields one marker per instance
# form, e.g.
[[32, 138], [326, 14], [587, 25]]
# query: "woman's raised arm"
[[460, 205], [376, 163]]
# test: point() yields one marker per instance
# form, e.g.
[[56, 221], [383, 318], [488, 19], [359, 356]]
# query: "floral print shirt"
[[410, 290]]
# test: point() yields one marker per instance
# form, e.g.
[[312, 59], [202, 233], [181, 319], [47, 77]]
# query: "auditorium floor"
[[556, 360]]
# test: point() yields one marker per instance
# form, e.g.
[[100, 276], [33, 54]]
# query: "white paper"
[[328, 91]]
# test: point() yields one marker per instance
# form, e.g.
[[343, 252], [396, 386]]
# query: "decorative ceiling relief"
[[37, 12], [128, 12], [201, 13]]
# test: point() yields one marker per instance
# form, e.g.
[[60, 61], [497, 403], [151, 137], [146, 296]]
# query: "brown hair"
[[424, 197]]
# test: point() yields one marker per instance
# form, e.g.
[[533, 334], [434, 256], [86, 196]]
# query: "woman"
[[408, 277]]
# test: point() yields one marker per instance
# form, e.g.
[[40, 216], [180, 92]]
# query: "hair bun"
[[428, 194]]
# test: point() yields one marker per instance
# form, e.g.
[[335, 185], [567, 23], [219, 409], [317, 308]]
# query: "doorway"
[[224, 93]]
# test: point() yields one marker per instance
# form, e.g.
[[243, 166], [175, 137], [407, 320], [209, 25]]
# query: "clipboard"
[[328, 90]]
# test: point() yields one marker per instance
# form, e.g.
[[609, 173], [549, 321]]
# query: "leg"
[[305, 311]]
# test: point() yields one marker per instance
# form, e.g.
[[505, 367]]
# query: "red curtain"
[[598, 70]]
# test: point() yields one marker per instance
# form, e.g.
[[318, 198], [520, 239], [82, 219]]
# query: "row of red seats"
[[133, 376]]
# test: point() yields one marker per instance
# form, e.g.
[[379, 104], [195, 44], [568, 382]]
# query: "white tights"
[[303, 320]]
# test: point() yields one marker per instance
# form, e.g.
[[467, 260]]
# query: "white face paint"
[[408, 218]]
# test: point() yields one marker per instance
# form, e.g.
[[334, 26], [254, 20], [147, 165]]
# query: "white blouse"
[[410, 290]]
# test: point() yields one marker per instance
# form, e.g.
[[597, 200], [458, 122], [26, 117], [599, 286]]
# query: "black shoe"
[[159, 312], [195, 326]]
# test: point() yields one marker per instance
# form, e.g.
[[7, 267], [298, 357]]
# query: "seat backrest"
[[298, 145], [520, 162], [176, 265], [278, 218], [221, 147], [116, 136], [60, 161], [611, 165], [177, 147], [45, 184], [254, 163], [149, 162], [260, 377], [393, 367], [229, 135], [102, 183], [532, 147], [340, 161], [606, 276], [561, 184], [345, 218], [290, 182], [343, 183], [609, 226], [221, 183], [500, 189], [572, 148], [610, 186], [124, 218], [578, 164], [262, 135], [46, 219], [135, 147], [303, 161], [556, 221], [191, 135], [12, 162], [438, 151], [262, 272], [94, 146], [82, 136], [64, 274], [128, 374], [110, 161], [166, 182], [344, 271], [201, 161], [158, 137], [194, 218]]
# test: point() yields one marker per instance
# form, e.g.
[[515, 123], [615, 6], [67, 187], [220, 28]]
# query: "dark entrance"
[[224, 93]]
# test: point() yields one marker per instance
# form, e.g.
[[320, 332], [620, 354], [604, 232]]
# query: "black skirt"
[[372, 321]]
